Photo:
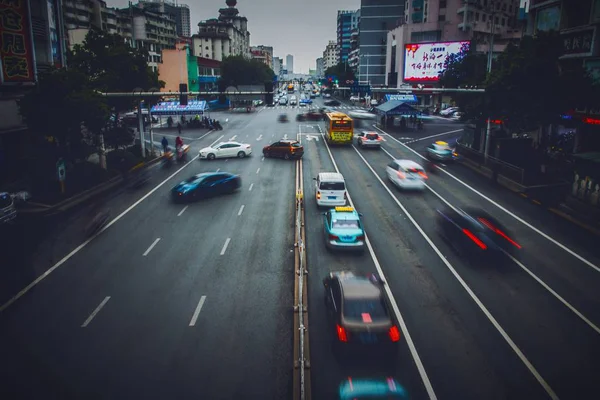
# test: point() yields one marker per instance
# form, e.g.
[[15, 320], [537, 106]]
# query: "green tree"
[[467, 69], [120, 136], [60, 104], [342, 72], [112, 65], [239, 70]]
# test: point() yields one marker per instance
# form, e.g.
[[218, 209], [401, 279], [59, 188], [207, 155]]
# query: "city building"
[[278, 66], [481, 22], [141, 27], [180, 12], [347, 22], [42, 27], [320, 69], [263, 54], [289, 63], [354, 54], [377, 17], [224, 36], [331, 55]]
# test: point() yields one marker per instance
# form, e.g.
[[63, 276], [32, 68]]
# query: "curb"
[[522, 191], [79, 198]]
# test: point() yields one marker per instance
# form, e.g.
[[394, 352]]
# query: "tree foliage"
[[239, 70], [342, 72], [529, 86], [112, 65]]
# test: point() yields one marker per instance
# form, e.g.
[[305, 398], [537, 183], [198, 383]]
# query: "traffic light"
[[336, 81], [269, 96], [183, 98]]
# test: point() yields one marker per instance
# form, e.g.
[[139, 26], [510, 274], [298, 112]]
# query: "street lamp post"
[[488, 133]]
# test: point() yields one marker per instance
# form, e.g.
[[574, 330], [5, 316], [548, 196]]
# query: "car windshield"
[[372, 136], [361, 309], [194, 179], [346, 224], [332, 186], [296, 144]]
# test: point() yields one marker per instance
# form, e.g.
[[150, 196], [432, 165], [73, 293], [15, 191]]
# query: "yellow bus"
[[290, 88], [340, 128]]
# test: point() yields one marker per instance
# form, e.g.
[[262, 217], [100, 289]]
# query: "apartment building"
[[263, 53], [347, 22], [331, 55], [180, 13]]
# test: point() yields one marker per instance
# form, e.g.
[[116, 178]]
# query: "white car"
[[354, 98], [449, 111], [226, 150], [406, 174]]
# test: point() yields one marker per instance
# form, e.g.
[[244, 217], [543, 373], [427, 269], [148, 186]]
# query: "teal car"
[[387, 388], [343, 229], [441, 151]]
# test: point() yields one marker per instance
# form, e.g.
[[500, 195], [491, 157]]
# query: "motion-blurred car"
[[226, 150], [306, 101], [449, 111], [359, 315], [406, 174], [476, 235], [206, 185], [361, 114], [369, 139], [8, 211], [283, 118], [371, 388], [311, 115], [332, 103], [285, 148], [441, 151], [343, 229]]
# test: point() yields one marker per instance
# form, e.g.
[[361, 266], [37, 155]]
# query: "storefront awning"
[[174, 108], [395, 107]]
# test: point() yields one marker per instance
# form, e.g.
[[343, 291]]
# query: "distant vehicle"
[[283, 101], [311, 115], [343, 229], [339, 129], [283, 118], [448, 111], [226, 150], [369, 139], [293, 100], [290, 88], [406, 174], [361, 114], [372, 389], [477, 236], [354, 98], [441, 151], [206, 185], [285, 148], [359, 315], [332, 103]]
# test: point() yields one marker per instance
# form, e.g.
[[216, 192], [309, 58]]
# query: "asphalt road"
[[526, 330]]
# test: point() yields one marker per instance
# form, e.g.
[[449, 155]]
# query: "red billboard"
[[16, 48], [425, 62]]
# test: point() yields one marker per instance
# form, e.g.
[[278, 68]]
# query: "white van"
[[330, 189], [293, 101]]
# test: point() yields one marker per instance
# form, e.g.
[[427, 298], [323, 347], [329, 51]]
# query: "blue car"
[[343, 229], [306, 101], [206, 185], [367, 388], [441, 151]]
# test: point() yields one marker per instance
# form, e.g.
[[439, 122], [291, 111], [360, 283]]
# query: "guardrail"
[[301, 381], [500, 167]]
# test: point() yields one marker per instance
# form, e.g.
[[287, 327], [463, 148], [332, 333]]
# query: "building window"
[[441, 18], [442, 3], [503, 22], [483, 17], [476, 16], [206, 48]]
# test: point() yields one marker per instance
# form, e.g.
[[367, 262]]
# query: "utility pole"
[[488, 133]]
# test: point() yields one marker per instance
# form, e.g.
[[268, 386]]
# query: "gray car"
[[369, 139]]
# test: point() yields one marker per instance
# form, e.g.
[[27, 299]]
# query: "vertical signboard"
[[16, 48], [53, 34]]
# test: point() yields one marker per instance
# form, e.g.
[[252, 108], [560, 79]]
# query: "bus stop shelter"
[[195, 107], [395, 108]]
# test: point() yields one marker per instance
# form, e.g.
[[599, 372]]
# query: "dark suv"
[[285, 148]]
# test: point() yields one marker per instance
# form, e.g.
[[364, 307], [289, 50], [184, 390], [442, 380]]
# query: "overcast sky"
[[298, 27]]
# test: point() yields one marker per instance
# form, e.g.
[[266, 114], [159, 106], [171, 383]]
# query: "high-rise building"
[[331, 55], [263, 54], [377, 17], [278, 66], [347, 21], [224, 36], [180, 12], [320, 69], [289, 63]]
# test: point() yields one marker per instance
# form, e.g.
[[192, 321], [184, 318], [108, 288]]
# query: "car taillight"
[[422, 175], [318, 195], [499, 232], [361, 238], [474, 238], [333, 237], [401, 175], [394, 333], [342, 334]]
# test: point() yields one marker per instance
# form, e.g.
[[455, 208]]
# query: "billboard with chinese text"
[[424, 62], [16, 49]]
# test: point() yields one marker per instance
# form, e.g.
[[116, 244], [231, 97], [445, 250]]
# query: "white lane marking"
[[233, 138], [409, 341], [263, 158], [259, 137], [82, 245], [218, 169], [182, 211], [224, 249], [530, 273], [197, 311], [96, 311], [258, 170], [213, 143], [439, 134], [466, 287], [521, 220], [151, 247], [241, 210], [251, 186]]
